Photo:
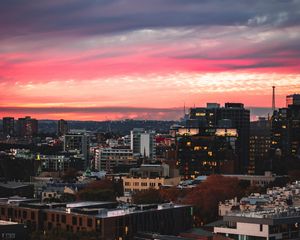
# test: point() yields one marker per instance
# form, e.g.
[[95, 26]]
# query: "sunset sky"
[[116, 59]]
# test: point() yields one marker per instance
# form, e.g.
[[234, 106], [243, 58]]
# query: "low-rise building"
[[133, 184], [12, 231], [104, 220], [150, 176], [268, 224]]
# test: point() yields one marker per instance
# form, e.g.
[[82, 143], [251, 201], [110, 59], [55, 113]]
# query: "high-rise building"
[[77, 143], [293, 99], [143, 143], [205, 151], [62, 127], [108, 158], [260, 142], [8, 126], [232, 115], [27, 127], [286, 129]]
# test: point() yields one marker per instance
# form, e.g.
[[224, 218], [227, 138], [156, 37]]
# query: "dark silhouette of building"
[[260, 142], [8, 126], [232, 115], [205, 151], [76, 143], [62, 127], [27, 127], [286, 129]]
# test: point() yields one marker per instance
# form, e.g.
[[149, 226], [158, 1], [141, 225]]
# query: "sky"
[[145, 59]]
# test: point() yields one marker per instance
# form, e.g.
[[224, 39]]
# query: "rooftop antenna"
[[273, 98]]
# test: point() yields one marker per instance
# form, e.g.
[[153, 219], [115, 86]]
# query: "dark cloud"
[[266, 64], [85, 109], [141, 113], [79, 17]]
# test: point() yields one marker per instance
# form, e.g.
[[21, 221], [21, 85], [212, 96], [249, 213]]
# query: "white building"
[[143, 143], [268, 224]]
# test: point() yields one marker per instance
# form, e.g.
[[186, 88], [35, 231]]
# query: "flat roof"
[[87, 204], [2, 222]]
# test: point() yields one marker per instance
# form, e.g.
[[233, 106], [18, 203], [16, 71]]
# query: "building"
[[273, 215], [285, 131], [108, 158], [77, 143], [259, 147], [104, 220], [293, 99], [8, 189], [27, 127], [143, 143], [206, 150], [62, 127], [12, 231], [149, 176], [271, 224], [8, 126], [232, 115], [56, 163], [134, 184]]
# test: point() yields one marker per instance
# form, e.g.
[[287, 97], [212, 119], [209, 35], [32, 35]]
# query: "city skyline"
[[99, 60]]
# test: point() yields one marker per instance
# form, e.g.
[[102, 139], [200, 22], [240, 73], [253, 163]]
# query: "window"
[[63, 218], [32, 216], [74, 220], [90, 222], [80, 221], [261, 227]]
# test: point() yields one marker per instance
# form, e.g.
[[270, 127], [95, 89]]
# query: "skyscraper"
[[286, 128], [27, 127], [206, 150], [293, 99], [232, 115], [260, 141], [8, 126], [62, 127]]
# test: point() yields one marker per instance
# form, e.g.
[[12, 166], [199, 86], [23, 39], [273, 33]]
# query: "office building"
[[101, 220], [259, 148], [8, 126], [293, 99], [204, 151], [143, 143], [285, 133], [149, 176], [27, 127], [62, 127], [56, 163], [76, 142], [232, 115], [108, 158]]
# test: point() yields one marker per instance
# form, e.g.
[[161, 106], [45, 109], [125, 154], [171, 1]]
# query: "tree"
[[207, 195], [147, 197], [99, 190], [70, 175]]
